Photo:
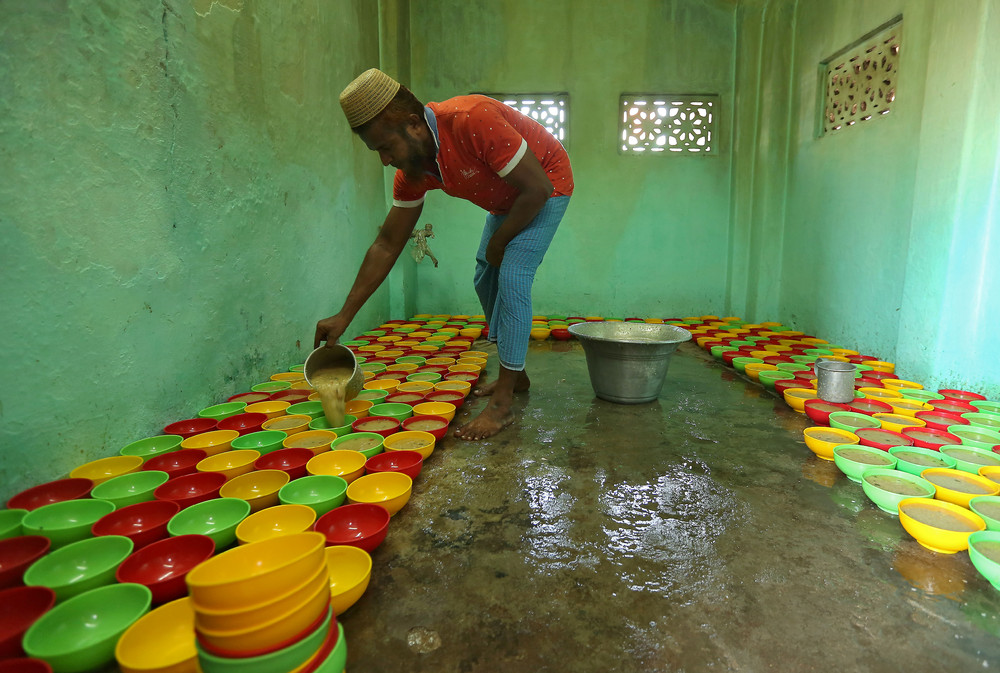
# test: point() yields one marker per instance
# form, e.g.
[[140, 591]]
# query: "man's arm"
[[529, 178], [378, 261]]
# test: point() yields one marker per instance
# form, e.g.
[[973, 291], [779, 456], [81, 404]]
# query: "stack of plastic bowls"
[[264, 599]]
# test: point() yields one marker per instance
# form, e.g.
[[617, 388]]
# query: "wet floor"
[[692, 533]]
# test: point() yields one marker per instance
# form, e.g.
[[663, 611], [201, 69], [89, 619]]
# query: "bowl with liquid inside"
[[915, 459], [984, 552], [854, 460], [940, 526], [822, 440], [958, 487], [887, 487], [366, 443], [411, 440], [988, 507], [852, 421], [967, 458], [317, 441]]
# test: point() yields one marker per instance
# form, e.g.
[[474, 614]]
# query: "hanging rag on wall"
[[420, 248]]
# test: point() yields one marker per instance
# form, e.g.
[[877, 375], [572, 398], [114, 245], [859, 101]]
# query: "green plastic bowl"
[[129, 489], [986, 406], [894, 486], [80, 566], [915, 459], [65, 522], [717, 351], [337, 659], [969, 458], [297, 368], [286, 659], [10, 522], [227, 409], [216, 518], [919, 394], [270, 387], [741, 363], [988, 507], [322, 424], [373, 367], [426, 377], [264, 441], [373, 396], [981, 438], [983, 420], [322, 492], [855, 459], [396, 410], [805, 359], [367, 453], [793, 367], [984, 552], [852, 420], [311, 409], [769, 376], [411, 359], [155, 446], [80, 634]]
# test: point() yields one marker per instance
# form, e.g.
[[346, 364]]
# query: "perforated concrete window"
[[859, 82], [551, 110], [668, 123]]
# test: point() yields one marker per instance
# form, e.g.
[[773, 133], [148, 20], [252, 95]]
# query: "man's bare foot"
[[489, 422], [520, 385]]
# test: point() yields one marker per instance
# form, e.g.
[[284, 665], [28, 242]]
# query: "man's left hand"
[[494, 252]]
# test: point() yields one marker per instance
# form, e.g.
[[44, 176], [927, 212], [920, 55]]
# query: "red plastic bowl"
[[243, 423], [940, 420], [16, 556], [51, 492], [143, 522], [560, 334], [864, 405], [191, 488], [819, 410], [952, 406], [781, 385], [451, 396], [24, 665], [882, 439], [293, 461], [162, 566], [190, 427], [930, 438], [866, 382], [439, 433], [960, 395], [407, 462], [363, 525], [176, 463], [21, 607], [363, 425], [410, 398]]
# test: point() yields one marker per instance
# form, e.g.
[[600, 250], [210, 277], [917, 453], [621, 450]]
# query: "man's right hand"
[[330, 329]]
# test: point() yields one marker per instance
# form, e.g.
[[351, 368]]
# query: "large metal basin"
[[628, 361]]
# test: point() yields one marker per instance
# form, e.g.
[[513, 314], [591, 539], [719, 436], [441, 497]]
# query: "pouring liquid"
[[331, 384]]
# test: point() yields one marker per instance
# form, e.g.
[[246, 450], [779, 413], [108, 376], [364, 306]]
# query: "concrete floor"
[[692, 533]]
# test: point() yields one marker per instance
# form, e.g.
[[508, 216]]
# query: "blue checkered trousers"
[[505, 292]]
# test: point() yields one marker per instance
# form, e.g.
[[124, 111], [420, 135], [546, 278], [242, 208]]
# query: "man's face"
[[398, 146]]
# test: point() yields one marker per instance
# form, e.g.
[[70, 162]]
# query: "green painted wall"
[[181, 201]]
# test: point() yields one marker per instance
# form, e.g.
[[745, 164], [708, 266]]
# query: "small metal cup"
[[835, 380], [335, 355]]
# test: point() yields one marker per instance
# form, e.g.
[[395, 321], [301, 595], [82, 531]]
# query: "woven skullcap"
[[367, 95]]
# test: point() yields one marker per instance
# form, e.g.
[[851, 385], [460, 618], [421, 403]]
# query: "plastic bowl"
[[981, 438], [436, 408], [263, 441], [320, 492], [350, 572], [152, 446], [274, 522], [161, 641], [958, 487], [897, 422], [819, 410], [882, 439], [361, 525], [390, 490], [463, 387], [930, 438], [291, 461], [80, 634], [852, 420], [102, 469], [238, 577], [398, 411], [50, 493], [191, 489], [854, 460], [80, 566], [231, 464], [216, 518], [407, 462], [162, 566], [142, 523], [176, 463], [211, 443], [940, 526], [340, 430], [130, 489], [796, 397], [915, 459], [338, 463], [17, 554], [10, 522], [365, 443], [278, 406], [225, 410], [288, 425], [244, 423], [435, 425], [380, 425], [21, 607], [358, 408], [887, 487], [445, 396], [259, 488], [991, 473], [822, 440], [317, 441], [969, 458], [24, 665], [411, 440], [65, 522], [988, 507], [984, 552], [310, 408]]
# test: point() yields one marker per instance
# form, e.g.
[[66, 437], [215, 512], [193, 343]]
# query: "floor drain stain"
[[423, 640]]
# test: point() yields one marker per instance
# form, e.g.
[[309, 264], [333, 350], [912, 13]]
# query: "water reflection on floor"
[[693, 533]]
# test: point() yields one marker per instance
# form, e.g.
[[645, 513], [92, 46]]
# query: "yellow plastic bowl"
[[275, 522], [991, 472], [372, 348], [905, 407], [881, 366], [438, 361], [465, 369], [883, 394], [474, 354], [338, 463], [259, 488], [271, 409], [230, 463], [897, 422], [237, 578], [901, 384], [212, 443], [390, 490], [411, 440], [288, 376], [388, 385], [290, 425], [972, 485], [263, 611], [317, 441], [458, 386], [796, 398], [822, 440], [753, 369], [415, 387], [464, 359], [350, 571], [301, 385], [444, 409], [359, 408], [844, 352], [102, 469], [161, 641], [406, 367], [935, 537]]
